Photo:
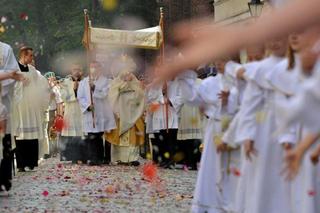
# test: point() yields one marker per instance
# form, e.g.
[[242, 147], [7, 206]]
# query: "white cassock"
[[8, 63], [158, 119], [29, 104], [290, 82], [72, 113], [268, 192], [209, 195], [229, 136], [104, 118]]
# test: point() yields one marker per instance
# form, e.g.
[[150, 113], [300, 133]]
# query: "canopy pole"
[[162, 58], [87, 25]]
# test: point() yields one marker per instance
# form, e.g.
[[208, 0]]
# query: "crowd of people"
[[103, 116]]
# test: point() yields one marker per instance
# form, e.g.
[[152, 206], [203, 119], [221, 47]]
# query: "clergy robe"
[[29, 104], [287, 83], [209, 195], [127, 101], [190, 122], [268, 191], [190, 133], [72, 146], [7, 63], [104, 119], [165, 120]]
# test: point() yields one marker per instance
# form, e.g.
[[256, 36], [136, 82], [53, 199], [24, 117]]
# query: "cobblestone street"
[[63, 187]]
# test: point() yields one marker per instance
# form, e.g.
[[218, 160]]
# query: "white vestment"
[[268, 192], [210, 194], [29, 104], [158, 117], [72, 113], [103, 115]]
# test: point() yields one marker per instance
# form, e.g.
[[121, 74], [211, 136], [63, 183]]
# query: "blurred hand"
[[224, 96], [293, 160], [314, 157], [240, 74], [223, 147], [90, 108], [2, 127], [250, 149], [16, 75], [199, 43], [75, 85], [287, 146], [25, 81]]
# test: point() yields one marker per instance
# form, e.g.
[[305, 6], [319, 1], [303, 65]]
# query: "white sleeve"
[[290, 136], [82, 96], [11, 63], [188, 92], [252, 102]]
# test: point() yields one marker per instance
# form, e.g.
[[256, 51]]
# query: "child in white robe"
[[209, 195], [288, 79], [240, 74], [268, 192]]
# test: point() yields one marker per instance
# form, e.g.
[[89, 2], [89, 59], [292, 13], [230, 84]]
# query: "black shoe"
[[7, 185], [170, 165], [31, 168], [134, 163], [94, 163], [163, 164]]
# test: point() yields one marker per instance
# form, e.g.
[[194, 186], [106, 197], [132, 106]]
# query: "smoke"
[[63, 62]]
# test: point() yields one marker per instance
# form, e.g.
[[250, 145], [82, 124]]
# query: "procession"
[[176, 113]]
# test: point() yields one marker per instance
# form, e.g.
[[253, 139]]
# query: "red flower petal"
[[45, 193], [312, 193], [149, 171], [236, 172]]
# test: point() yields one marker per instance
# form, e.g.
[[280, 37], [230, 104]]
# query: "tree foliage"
[[56, 26]]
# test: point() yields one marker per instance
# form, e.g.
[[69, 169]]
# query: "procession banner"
[[149, 38]]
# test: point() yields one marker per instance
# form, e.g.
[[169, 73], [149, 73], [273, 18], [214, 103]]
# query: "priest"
[[97, 113], [31, 99], [127, 100]]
